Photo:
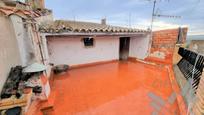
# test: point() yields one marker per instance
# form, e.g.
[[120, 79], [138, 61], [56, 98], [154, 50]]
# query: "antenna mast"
[[153, 13], [159, 15]]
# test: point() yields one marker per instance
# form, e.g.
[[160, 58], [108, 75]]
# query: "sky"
[[133, 13]]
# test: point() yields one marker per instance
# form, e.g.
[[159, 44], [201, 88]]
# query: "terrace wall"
[[71, 50], [164, 42]]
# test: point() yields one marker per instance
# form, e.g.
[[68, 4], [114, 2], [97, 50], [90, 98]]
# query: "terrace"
[[109, 70], [114, 88]]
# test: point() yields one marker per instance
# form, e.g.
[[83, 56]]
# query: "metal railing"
[[191, 65]]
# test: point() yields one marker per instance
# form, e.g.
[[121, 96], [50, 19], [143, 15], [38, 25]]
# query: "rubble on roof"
[[60, 26], [24, 13]]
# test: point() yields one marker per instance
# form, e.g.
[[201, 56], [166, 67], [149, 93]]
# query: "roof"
[[62, 26], [14, 2], [23, 13]]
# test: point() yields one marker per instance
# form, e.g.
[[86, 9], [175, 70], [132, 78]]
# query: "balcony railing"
[[191, 65]]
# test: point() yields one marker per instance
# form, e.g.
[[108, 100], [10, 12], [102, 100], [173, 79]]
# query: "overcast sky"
[[132, 13]]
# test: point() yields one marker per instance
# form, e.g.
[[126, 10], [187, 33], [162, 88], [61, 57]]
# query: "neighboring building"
[[19, 38], [76, 43], [197, 46], [194, 37]]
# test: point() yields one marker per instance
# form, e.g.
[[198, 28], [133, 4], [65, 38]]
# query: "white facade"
[[139, 46], [71, 51]]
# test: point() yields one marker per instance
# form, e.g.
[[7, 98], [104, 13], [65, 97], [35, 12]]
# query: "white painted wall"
[[139, 46], [24, 38], [9, 52], [73, 52]]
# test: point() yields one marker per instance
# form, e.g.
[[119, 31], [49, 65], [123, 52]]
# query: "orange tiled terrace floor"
[[117, 88]]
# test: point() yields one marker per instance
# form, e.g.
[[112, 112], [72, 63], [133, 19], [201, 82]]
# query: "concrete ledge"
[[177, 90], [180, 80], [92, 64]]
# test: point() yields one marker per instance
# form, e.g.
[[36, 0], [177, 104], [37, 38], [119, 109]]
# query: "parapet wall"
[[164, 42]]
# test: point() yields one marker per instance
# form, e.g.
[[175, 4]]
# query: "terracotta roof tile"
[[23, 13], [60, 26]]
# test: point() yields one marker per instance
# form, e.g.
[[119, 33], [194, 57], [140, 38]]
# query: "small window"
[[88, 42]]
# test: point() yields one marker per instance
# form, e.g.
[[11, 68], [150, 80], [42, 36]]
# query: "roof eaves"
[[86, 27]]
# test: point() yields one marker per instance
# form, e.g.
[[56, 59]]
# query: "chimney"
[[103, 21], [42, 4]]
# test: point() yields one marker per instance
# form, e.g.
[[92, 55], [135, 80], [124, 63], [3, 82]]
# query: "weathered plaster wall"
[[27, 42], [24, 41], [9, 52], [71, 50], [19, 34], [139, 46]]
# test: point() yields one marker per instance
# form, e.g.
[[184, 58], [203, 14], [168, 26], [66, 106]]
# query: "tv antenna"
[[156, 14]]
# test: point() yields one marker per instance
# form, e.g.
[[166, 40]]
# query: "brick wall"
[[164, 41]]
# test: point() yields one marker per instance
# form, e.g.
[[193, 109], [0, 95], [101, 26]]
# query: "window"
[[88, 42]]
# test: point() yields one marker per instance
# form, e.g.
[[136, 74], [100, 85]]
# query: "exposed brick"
[[166, 39]]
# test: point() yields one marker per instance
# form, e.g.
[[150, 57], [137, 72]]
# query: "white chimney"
[[103, 21]]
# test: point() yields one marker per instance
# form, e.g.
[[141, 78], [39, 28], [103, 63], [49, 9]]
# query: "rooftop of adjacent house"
[[60, 26], [7, 10]]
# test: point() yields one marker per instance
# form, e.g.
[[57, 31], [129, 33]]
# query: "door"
[[124, 48]]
